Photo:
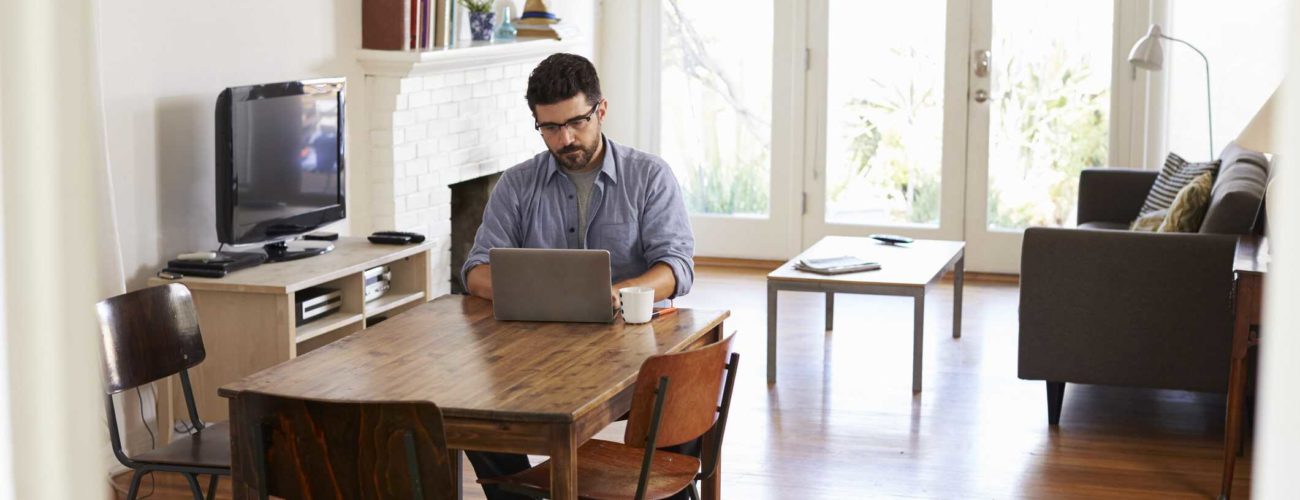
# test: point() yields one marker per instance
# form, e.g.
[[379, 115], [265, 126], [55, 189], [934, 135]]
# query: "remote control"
[[389, 240], [415, 237], [891, 239], [202, 273]]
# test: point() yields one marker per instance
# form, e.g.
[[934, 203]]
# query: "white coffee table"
[[906, 270]]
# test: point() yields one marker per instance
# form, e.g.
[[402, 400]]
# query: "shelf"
[[390, 301], [329, 323], [464, 54]]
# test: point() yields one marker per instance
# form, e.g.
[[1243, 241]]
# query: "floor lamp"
[[1147, 54]]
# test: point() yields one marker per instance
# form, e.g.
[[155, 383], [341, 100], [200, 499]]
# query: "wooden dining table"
[[504, 386]]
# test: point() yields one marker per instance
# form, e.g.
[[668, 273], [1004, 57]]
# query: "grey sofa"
[[1103, 305]]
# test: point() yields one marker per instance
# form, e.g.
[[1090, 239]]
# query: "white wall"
[[164, 63], [1245, 43]]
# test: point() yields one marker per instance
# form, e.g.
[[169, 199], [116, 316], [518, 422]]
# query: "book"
[[836, 265]]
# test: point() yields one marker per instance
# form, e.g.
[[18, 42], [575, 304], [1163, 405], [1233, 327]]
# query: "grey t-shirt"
[[584, 182]]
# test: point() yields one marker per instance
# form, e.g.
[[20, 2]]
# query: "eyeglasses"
[[576, 123]]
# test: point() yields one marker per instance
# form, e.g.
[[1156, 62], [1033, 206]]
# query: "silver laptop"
[[533, 284]]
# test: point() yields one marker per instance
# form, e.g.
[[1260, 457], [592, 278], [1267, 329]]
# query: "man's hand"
[[614, 300]]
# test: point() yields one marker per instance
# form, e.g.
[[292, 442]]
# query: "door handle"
[[983, 60]]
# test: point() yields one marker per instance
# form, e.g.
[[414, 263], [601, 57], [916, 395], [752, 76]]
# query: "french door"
[[957, 120], [786, 121]]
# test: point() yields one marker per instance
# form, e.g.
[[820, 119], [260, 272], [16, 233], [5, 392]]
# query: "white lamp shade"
[[1258, 134], [1147, 53]]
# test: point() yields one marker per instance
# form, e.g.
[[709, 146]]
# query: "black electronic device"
[[891, 239], [279, 163], [227, 262], [320, 236], [202, 273], [383, 239], [415, 237]]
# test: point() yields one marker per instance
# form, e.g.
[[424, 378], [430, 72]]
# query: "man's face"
[[571, 129]]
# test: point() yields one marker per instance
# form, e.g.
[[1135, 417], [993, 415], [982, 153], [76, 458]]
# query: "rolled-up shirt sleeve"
[[500, 227], [666, 228]]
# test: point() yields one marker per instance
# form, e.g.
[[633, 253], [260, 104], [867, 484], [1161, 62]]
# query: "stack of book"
[[558, 31], [378, 281], [836, 265]]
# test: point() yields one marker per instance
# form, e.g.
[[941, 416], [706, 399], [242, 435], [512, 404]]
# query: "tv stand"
[[248, 323], [280, 252]]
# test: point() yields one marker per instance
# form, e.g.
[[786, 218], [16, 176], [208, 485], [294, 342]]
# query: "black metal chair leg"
[[194, 485], [212, 487], [135, 485], [692, 492]]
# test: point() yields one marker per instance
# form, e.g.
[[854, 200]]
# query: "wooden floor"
[[842, 422]]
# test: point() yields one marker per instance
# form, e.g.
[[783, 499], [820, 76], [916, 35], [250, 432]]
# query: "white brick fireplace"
[[439, 118]]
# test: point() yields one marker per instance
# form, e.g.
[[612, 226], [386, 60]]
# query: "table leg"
[[830, 311], [564, 463], [958, 276], [1232, 428], [771, 333], [457, 471], [918, 331]]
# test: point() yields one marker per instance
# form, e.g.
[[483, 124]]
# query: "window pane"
[[1049, 108], [716, 100], [884, 121]]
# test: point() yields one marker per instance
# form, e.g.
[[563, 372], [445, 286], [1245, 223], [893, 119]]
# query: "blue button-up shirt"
[[636, 212]]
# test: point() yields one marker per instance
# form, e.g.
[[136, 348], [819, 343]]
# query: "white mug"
[[638, 303]]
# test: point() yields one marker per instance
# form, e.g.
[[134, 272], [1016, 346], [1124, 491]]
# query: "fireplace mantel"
[[464, 56]]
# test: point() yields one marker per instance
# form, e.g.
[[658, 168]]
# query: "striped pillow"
[[1175, 175]]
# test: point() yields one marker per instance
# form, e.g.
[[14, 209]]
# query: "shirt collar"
[[608, 166]]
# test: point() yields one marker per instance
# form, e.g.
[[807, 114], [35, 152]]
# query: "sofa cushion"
[[1150, 221], [1188, 209], [1237, 193], [1175, 175], [1110, 226]]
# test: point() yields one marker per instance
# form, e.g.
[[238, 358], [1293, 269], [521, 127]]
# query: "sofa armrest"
[[1126, 308], [1113, 194]]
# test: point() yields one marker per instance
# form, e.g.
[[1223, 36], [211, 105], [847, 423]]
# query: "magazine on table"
[[836, 265]]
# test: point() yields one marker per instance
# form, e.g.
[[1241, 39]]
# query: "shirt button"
[[570, 197], [570, 230]]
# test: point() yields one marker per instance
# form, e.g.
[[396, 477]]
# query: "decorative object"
[[539, 22], [480, 19], [1148, 55], [507, 31]]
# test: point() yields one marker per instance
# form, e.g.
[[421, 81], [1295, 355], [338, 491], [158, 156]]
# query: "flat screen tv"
[[280, 162]]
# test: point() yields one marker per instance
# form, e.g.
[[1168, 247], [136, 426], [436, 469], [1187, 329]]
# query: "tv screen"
[[280, 159]]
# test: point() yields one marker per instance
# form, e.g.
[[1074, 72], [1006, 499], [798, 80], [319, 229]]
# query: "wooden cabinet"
[[248, 322]]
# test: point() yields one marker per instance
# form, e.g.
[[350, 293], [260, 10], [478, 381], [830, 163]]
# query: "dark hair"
[[560, 77]]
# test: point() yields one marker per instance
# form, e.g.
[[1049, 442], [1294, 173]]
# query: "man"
[[585, 191]]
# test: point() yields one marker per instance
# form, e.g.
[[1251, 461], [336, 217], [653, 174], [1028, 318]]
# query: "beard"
[[576, 156]]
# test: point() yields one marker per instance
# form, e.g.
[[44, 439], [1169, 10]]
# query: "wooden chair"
[[372, 450], [662, 415], [148, 335]]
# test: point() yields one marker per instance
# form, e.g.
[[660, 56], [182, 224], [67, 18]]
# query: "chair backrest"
[[371, 450], [691, 406], [147, 335]]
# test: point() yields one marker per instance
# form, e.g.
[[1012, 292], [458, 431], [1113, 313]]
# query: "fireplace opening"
[[468, 199]]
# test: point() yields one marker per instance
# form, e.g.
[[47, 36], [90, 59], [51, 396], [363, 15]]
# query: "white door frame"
[[998, 251]]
